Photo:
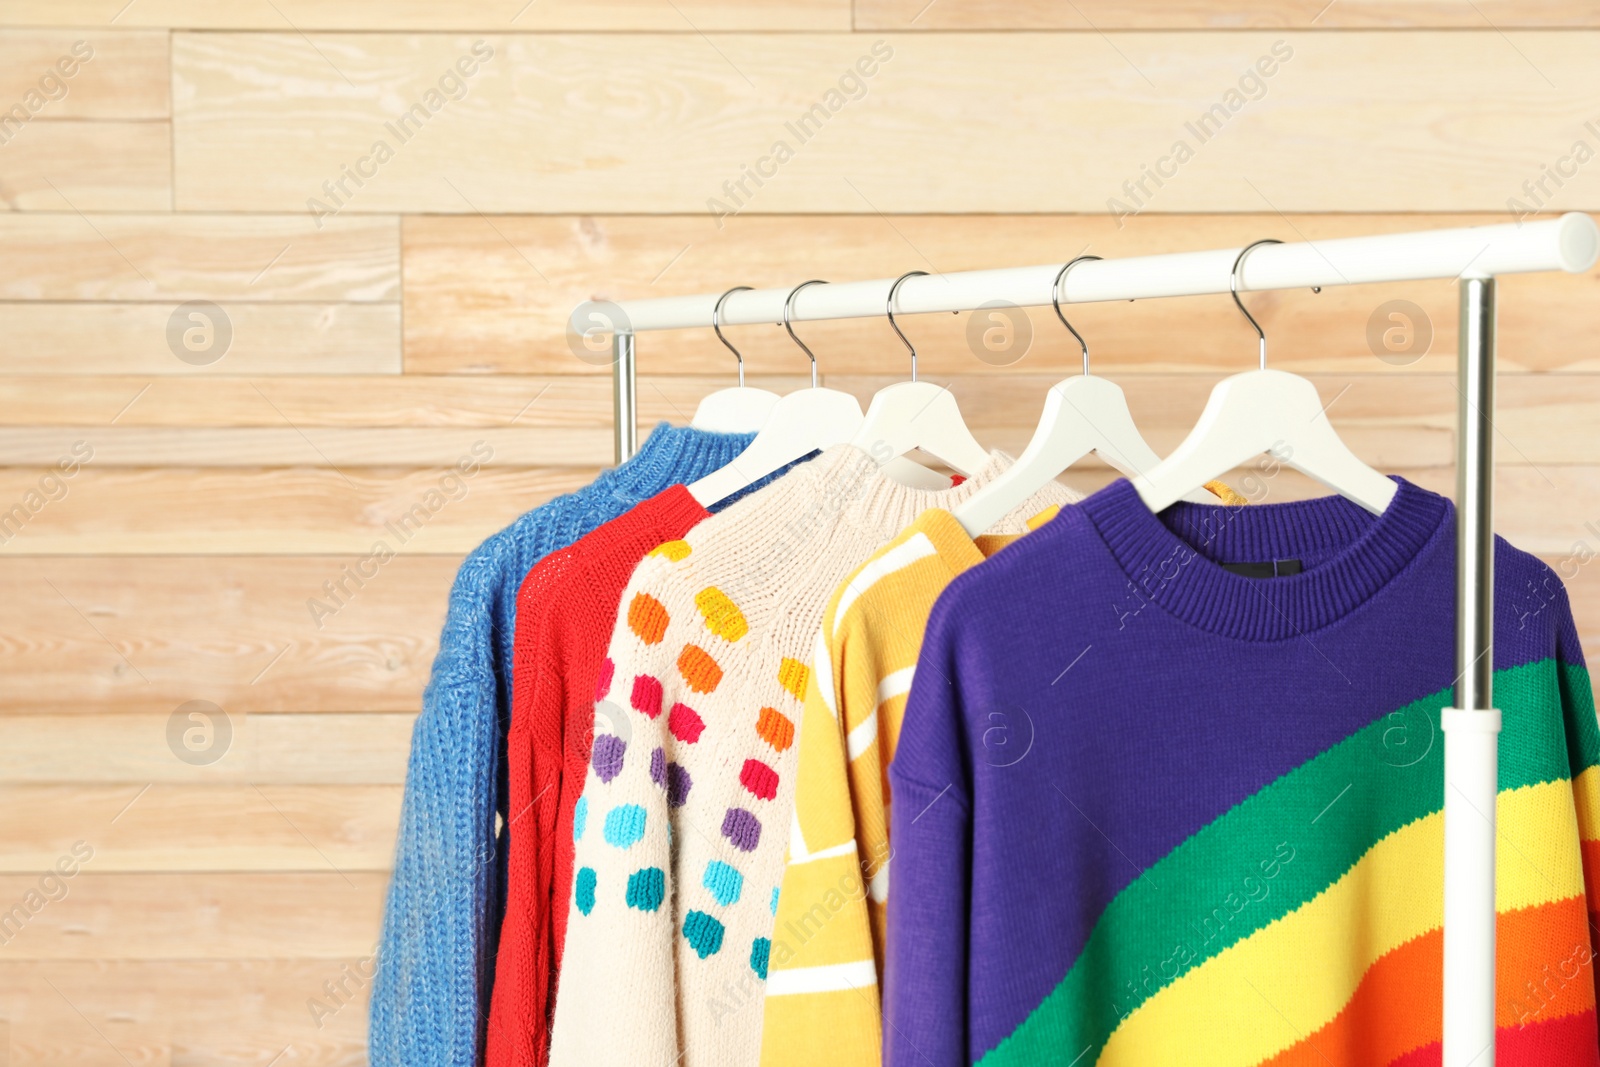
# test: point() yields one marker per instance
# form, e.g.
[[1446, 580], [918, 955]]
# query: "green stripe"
[[1577, 698], [1324, 814]]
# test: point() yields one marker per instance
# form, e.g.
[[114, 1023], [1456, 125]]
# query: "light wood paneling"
[[337, 829], [198, 511], [486, 16], [88, 166], [236, 631], [327, 749], [267, 339], [474, 303], [950, 123], [240, 1013], [1201, 15], [1392, 420], [196, 916], [124, 77], [413, 400], [255, 258]]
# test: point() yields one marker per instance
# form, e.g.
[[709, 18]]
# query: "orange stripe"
[[1396, 1008]]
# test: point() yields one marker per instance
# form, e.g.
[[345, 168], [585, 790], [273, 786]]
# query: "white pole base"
[[1471, 784]]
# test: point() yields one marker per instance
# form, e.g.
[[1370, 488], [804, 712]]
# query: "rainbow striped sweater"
[[1097, 860]]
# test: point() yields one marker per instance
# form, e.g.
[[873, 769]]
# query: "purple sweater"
[[1147, 809]]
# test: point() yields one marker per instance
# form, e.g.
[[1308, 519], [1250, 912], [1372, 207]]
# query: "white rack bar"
[[1474, 255], [1568, 243]]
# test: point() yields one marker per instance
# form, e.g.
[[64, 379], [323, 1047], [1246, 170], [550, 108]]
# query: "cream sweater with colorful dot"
[[681, 830]]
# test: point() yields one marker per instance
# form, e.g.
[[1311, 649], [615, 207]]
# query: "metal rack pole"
[[624, 396], [1472, 726]]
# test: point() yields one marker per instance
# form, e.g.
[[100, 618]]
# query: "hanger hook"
[[716, 325], [889, 310], [1055, 302], [1233, 288], [788, 308]]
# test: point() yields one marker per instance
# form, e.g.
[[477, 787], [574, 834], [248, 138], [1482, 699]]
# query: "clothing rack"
[[1473, 256]]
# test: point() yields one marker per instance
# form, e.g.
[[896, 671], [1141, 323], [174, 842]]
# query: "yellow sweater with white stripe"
[[822, 995]]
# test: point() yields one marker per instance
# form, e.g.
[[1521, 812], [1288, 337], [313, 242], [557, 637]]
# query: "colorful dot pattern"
[[647, 618], [670, 776], [722, 615], [704, 933], [583, 886], [602, 681], [775, 728], [759, 779], [760, 949], [580, 818], [647, 888], [792, 675], [724, 881], [685, 723], [646, 695], [700, 672], [673, 550], [624, 825], [742, 828], [607, 755]]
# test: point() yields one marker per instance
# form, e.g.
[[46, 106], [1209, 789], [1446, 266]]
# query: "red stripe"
[[1570, 1041]]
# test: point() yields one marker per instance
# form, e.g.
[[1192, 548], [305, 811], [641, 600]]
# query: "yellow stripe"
[[1293, 976], [1586, 795]]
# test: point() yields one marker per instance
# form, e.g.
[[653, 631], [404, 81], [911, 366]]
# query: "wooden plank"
[[1391, 420], [195, 916], [411, 400], [88, 166], [302, 511], [488, 16], [154, 258], [230, 1013], [262, 121], [1206, 15], [473, 301], [111, 637], [266, 339], [325, 749], [66, 74], [329, 829]]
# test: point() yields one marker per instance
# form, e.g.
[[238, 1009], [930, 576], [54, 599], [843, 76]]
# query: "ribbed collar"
[[1173, 559], [669, 455]]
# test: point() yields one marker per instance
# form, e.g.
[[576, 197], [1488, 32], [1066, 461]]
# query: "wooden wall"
[[381, 330]]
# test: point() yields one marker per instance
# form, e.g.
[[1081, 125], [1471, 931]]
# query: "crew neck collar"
[[671, 454], [846, 480], [1174, 559]]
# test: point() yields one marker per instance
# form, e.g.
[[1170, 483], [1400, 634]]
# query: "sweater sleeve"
[[822, 996], [925, 977], [436, 949], [615, 1000]]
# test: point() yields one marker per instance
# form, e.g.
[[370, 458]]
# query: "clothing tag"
[[1277, 568]]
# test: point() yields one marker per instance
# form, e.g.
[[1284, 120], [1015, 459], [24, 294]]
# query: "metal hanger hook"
[[788, 309], [1055, 302], [889, 310], [716, 325], [1233, 288]]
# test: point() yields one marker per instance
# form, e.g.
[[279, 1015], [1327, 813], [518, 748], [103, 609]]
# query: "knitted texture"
[[1173, 872], [822, 1003], [682, 824], [431, 992], [565, 612]]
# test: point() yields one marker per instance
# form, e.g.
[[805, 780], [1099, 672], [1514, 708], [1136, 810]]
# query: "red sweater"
[[566, 610]]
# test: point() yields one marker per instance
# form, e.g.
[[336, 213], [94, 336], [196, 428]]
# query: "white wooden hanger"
[[918, 415], [741, 409], [1082, 414], [801, 422], [1263, 411]]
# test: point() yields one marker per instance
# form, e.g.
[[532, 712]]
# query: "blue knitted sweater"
[[436, 957]]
